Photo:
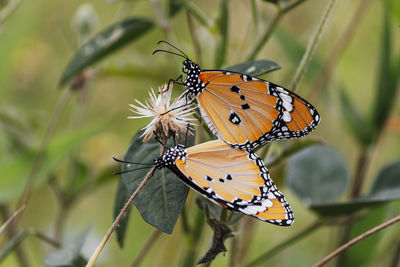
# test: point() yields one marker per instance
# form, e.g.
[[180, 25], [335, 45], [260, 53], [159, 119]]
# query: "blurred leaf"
[[161, 200], [388, 78], [387, 183], [385, 189], [276, 1], [318, 174], [13, 123], [12, 244], [16, 171], [174, 6], [107, 175], [222, 38], [256, 67], [78, 176], [339, 209], [69, 254], [358, 125], [295, 51], [105, 43], [121, 197], [361, 253]]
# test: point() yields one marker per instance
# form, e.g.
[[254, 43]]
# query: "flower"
[[168, 119]]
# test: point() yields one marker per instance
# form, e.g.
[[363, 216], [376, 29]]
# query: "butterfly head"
[[192, 71], [169, 157]]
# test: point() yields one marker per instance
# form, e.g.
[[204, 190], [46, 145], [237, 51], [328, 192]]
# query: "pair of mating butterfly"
[[243, 112]]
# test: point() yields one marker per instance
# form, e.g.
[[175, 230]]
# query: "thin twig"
[[357, 239], [267, 255], [312, 45], [45, 238], [146, 248], [339, 47], [11, 219], [11, 8], [196, 12], [362, 165], [102, 244], [194, 36], [274, 21], [162, 18], [43, 147]]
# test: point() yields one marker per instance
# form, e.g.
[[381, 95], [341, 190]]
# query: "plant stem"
[[264, 38], [256, 17], [11, 231], [396, 258], [267, 255], [339, 47], [162, 18], [312, 45], [222, 38], [146, 248], [102, 244], [7, 11], [11, 219], [195, 39], [357, 239], [195, 11], [193, 239], [37, 162], [362, 164]]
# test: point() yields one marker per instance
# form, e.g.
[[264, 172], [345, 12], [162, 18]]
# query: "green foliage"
[[16, 170], [256, 67], [161, 200], [70, 253], [318, 174], [105, 43]]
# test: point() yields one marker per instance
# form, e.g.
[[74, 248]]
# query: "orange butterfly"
[[243, 110], [232, 178]]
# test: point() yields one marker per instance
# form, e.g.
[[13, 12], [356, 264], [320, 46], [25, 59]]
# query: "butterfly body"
[[246, 111], [232, 178]]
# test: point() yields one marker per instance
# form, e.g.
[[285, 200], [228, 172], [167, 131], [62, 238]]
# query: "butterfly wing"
[[246, 112], [235, 179]]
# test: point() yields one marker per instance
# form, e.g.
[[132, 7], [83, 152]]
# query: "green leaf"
[[105, 43], [362, 252], [339, 209], [16, 171], [389, 76], [256, 67], [121, 197], [222, 38], [359, 126], [385, 189], [12, 244], [174, 6], [69, 254], [161, 200], [78, 176], [276, 1], [387, 183], [318, 174]]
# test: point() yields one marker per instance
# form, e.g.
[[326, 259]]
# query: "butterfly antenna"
[[121, 172], [168, 43], [130, 162], [158, 140], [169, 52]]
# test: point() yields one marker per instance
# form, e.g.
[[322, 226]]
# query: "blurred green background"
[[38, 39]]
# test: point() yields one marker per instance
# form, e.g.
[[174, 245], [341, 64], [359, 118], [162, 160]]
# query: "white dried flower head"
[[167, 119]]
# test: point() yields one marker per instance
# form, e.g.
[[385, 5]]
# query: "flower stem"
[[312, 45], [267, 255], [102, 244], [357, 239]]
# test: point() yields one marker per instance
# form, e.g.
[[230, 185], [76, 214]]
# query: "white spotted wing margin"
[[234, 179]]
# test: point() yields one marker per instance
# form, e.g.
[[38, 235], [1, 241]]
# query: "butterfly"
[[242, 110], [232, 178]]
